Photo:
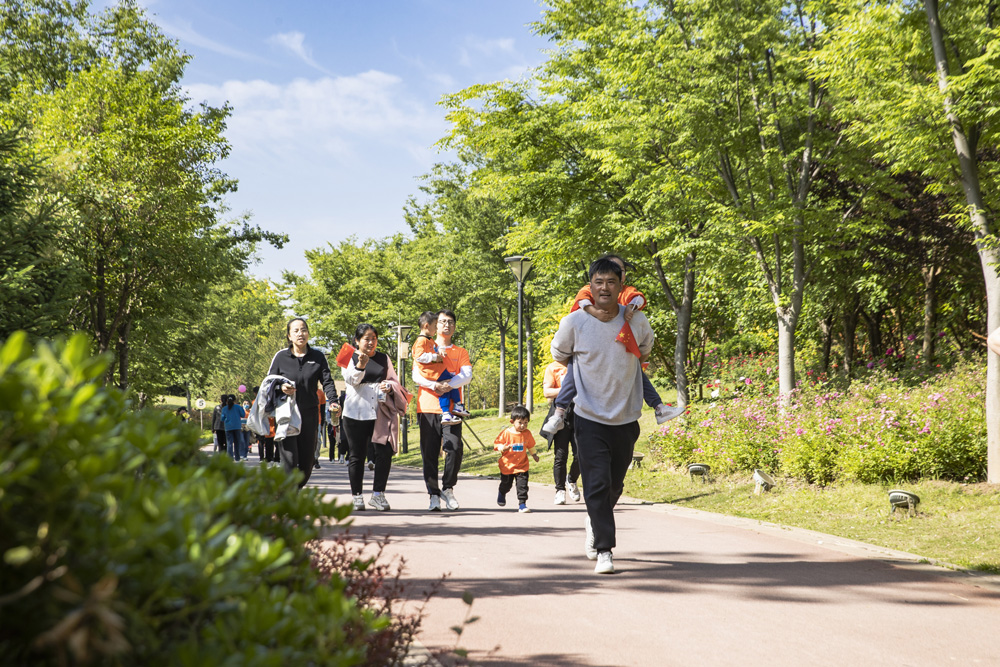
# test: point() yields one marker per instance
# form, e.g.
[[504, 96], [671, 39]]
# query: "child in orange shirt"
[[514, 445], [429, 362], [631, 300]]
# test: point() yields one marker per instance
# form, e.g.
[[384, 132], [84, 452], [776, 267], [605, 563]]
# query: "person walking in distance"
[[608, 403], [304, 367], [563, 441], [435, 436]]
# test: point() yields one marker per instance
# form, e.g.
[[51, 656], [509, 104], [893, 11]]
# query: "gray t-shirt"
[[608, 377]]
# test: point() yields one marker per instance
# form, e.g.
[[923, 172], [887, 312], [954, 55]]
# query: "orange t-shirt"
[[321, 395], [625, 298], [514, 460], [424, 345], [454, 358], [554, 374]]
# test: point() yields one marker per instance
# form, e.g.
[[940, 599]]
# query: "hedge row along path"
[[692, 587]]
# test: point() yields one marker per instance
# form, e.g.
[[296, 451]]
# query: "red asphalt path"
[[691, 588]]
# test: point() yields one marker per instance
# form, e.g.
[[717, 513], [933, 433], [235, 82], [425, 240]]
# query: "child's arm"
[[529, 444], [583, 299], [500, 444]]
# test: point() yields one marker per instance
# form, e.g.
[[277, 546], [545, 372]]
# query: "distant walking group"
[[596, 386]]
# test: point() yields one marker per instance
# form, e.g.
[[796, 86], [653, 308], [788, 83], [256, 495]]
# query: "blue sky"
[[334, 102]]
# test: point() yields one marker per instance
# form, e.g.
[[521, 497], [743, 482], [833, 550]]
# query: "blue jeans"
[[447, 398], [236, 445]]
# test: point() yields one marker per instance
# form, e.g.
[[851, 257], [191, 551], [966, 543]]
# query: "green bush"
[[887, 426], [123, 543]]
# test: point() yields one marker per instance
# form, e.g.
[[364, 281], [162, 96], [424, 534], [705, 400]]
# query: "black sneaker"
[[501, 499], [316, 465]]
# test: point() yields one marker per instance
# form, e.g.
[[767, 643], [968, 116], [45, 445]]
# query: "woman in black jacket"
[[304, 367]]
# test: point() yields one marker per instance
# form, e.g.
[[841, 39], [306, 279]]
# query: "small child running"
[[429, 362], [631, 300], [514, 445]]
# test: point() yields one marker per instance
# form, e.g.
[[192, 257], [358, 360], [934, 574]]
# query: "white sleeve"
[[583, 303], [638, 301], [463, 378], [420, 380], [352, 376], [425, 358]]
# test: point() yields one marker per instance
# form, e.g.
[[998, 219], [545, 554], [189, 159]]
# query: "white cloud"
[[333, 115], [488, 48], [296, 43], [185, 32]]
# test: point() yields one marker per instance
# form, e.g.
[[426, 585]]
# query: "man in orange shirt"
[[436, 437]]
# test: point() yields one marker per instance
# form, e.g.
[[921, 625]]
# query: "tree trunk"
[[187, 393], [873, 323], [850, 329], [930, 275], [826, 326], [988, 256], [501, 408], [787, 320], [123, 360], [684, 313]]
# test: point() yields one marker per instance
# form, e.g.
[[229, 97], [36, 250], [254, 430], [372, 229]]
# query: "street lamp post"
[[520, 266], [401, 354]]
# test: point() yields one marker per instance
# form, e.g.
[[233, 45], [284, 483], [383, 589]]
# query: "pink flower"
[[800, 431], [747, 381]]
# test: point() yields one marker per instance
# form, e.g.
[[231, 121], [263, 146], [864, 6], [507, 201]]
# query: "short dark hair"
[[427, 317], [604, 265], [612, 256], [520, 412], [362, 329], [449, 313], [288, 329]]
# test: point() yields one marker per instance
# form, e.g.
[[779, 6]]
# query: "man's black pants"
[[605, 453], [434, 437], [562, 442]]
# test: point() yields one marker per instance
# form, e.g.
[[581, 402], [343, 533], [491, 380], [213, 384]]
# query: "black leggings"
[[358, 433], [297, 451]]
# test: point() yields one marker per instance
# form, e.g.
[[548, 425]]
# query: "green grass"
[[955, 523]]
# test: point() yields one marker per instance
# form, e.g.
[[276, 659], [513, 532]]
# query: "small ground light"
[[699, 469], [764, 482], [900, 498], [637, 458]]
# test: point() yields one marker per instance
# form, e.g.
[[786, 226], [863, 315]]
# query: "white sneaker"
[[448, 418], [359, 503], [554, 423], [379, 502], [574, 491], [588, 546], [560, 497], [449, 499], [605, 564], [665, 413], [435, 504], [341, 461]]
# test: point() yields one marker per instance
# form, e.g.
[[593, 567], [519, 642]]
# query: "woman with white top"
[[366, 377]]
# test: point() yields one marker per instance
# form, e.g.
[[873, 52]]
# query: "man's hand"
[[438, 358], [441, 388], [629, 310], [602, 315], [288, 388], [334, 408]]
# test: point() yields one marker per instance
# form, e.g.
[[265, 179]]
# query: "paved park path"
[[692, 588]]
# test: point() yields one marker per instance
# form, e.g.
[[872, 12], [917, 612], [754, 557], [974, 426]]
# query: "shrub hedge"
[[123, 543], [886, 426]]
